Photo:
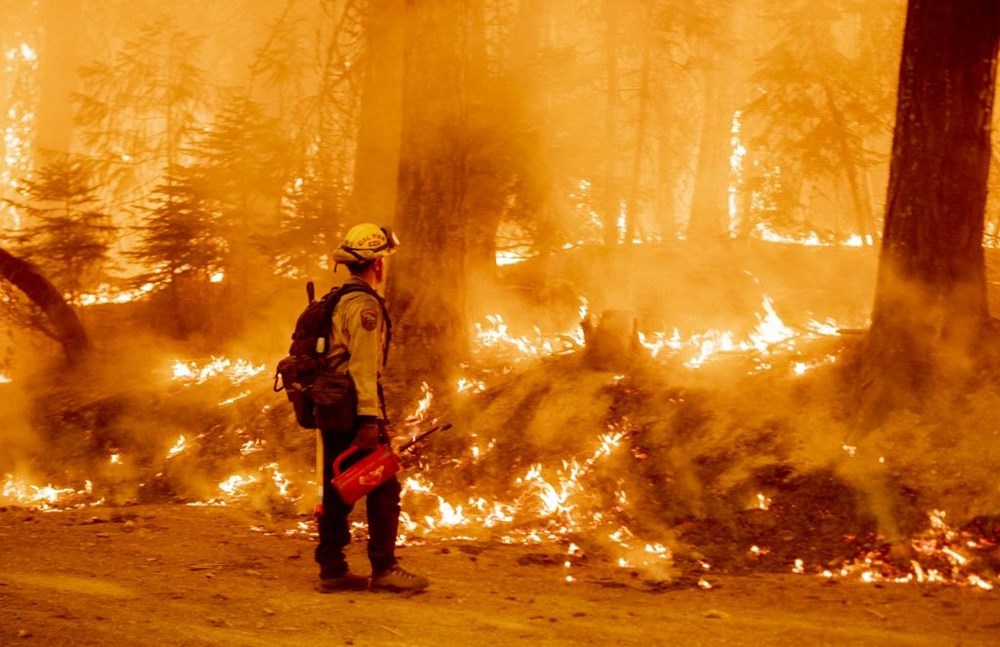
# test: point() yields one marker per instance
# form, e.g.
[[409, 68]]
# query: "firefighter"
[[358, 346]]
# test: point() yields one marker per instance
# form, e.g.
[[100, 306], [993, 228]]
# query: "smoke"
[[746, 450], [17, 438]]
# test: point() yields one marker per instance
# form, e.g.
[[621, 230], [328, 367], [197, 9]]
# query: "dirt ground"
[[182, 575]]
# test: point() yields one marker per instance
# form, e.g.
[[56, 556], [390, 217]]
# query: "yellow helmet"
[[366, 242]]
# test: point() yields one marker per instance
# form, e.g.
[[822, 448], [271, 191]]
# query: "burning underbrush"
[[697, 454]]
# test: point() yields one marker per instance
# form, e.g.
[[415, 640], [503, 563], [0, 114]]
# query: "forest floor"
[[181, 575]]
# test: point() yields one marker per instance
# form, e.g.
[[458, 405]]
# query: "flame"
[[238, 396], [769, 332], [105, 294], [17, 122], [449, 515], [939, 546], [4, 379], [507, 257], [235, 483], [116, 459], [827, 327], [251, 446], [764, 232], [467, 385], [423, 405], [17, 491], [495, 336], [178, 447], [415, 484], [237, 372], [478, 453], [551, 497], [280, 480], [800, 368]]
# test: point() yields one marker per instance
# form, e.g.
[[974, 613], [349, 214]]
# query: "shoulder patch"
[[369, 319]]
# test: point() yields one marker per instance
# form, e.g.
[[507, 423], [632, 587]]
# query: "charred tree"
[[930, 310], [428, 296], [67, 329]]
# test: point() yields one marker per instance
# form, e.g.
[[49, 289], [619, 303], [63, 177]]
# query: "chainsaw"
[[372, 469]]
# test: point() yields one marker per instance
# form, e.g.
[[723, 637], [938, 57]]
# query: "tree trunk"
[[635, 177], [27, 278], [428, 282], [489, 175], [377, 160], [930, 303], [58, 75], [710, 199], [610, 202], [709, 202]]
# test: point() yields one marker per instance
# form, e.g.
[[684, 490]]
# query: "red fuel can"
[[369, 472]]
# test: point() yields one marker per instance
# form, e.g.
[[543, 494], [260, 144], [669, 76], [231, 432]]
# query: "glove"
[[368, 432]]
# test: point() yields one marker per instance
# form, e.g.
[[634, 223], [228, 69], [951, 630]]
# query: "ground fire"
[[583, 500]]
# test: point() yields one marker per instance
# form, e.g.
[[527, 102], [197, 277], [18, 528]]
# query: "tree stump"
[[612, 342]]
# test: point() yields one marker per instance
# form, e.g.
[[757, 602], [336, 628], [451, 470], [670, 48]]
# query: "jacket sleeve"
[[365, 327]]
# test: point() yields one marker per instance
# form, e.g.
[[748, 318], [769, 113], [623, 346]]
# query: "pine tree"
[[823, 108], [69, 236], [181, 245], [136, 113]]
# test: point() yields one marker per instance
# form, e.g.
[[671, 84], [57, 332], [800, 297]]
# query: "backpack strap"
[[336, 294]]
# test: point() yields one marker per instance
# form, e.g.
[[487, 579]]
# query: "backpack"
[[320, 395]]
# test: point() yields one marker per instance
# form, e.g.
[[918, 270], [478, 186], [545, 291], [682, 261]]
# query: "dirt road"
[[180, 575]]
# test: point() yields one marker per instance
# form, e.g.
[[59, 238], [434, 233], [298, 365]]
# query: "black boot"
[[341, 579]]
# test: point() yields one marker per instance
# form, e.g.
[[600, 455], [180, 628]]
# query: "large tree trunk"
[[610, 202], [491, 168], [930, 304], [428, 281], [380, 119], [639, 152], [710, 198], [27, 278], [709, 202], [58, 75]]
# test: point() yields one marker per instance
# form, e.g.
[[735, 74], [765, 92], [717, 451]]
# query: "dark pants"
[[382, 505]]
